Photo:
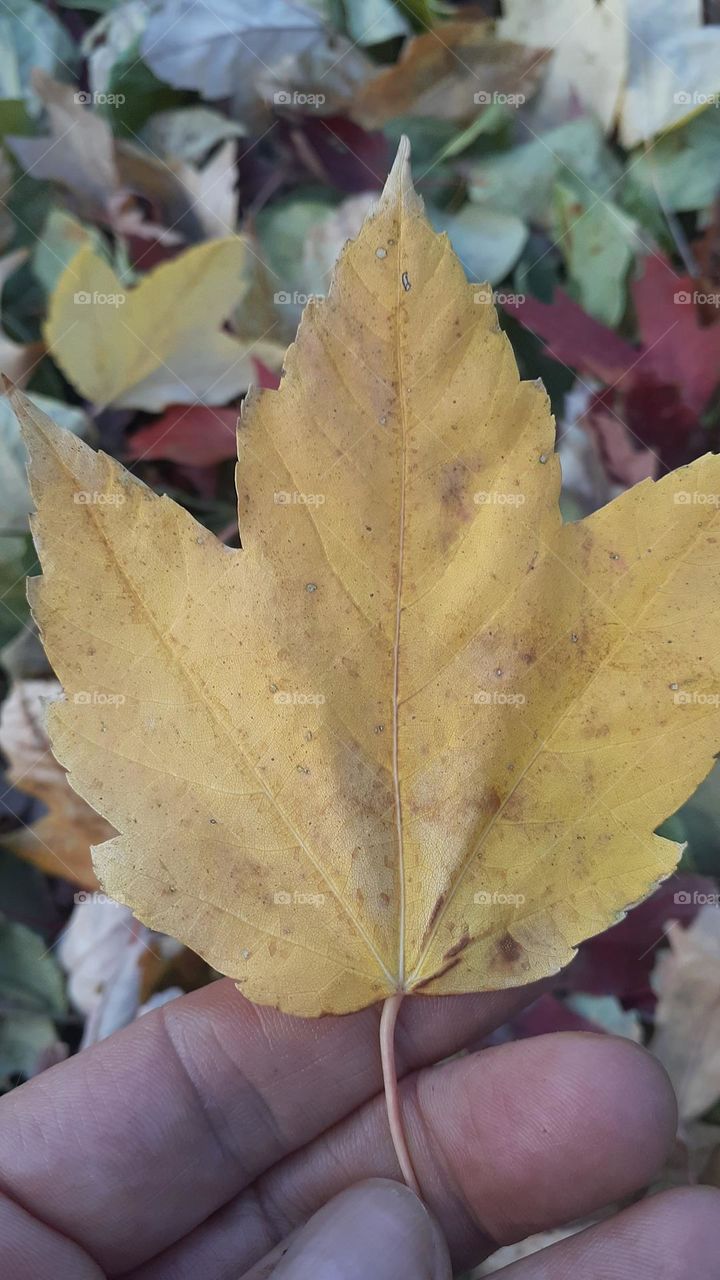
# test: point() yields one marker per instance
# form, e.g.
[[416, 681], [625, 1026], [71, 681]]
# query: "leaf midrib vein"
[[398, 603]]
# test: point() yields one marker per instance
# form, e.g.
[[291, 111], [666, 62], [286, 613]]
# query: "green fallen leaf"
[[598, 242], [681, 169], [30, 978], [17, 559], [520, 181], [23, 1037], [15, 504], [31, 36], [487, 241]]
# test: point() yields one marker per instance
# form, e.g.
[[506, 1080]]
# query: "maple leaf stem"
[[388, 1019]]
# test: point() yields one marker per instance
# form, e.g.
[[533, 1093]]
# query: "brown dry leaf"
[[687, 1035], [59, 843], [321, 78], [214, 190], [113, 964], [79, 151], [194, 203], [110, 180], [417, 735], [450, 74]]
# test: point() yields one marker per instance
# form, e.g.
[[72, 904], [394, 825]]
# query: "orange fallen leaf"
[[59, 842], [449, 74]]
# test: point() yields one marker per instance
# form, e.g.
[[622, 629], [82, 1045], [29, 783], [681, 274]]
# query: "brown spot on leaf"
[[438, 974], [460, 945], [509, 948], [454, 481], [439, 904], [492, 800]]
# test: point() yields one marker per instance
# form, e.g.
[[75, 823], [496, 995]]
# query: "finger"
[[183, 1109], [378, 1228], [506, 1142], [32, 1251], [668, 1237]]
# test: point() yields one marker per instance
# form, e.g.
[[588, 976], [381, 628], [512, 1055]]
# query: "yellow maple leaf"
[[417, 734], [160, 342]]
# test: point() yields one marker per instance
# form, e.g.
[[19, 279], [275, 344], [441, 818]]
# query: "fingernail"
[[378, 1228]]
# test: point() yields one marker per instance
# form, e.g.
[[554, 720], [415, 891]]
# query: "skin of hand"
[[217, 1139]]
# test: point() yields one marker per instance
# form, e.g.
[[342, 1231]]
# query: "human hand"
[[196, 1141]]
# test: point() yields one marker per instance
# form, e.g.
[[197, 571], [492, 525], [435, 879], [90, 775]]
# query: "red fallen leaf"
[[266, 377], [544, 1016], [707, 254], [678, 349], [619, 961], [144, 253], [615, 963], [200, 480], [675, 350], [642, 429], [194, 435], [341, 153], [623, 461], [659, 418], [648, 413], [575, 338]]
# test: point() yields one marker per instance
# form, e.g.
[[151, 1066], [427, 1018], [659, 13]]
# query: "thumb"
[[378, 1228]]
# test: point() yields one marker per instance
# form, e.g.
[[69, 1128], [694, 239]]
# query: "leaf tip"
[[399, 186], [18, 402], [34, 424]]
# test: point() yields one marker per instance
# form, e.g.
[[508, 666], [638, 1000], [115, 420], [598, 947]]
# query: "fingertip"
[[673, 1233], [586, 1082], [540, 1131], [631, 1087], [376, 1228], [689, 1216]]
